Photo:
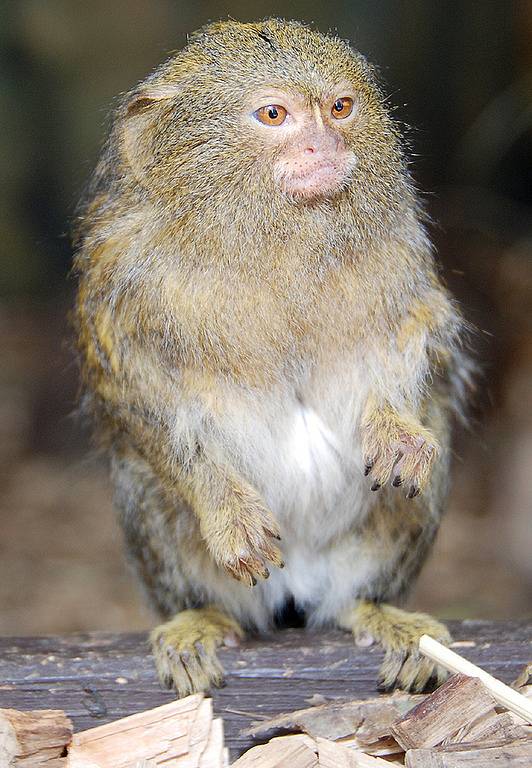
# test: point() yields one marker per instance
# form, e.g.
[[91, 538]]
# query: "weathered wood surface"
[[101, 677]]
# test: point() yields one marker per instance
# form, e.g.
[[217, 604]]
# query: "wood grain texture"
[[181, 734], [458, 702], [503, 755], [97, 678], [34, 739], [301, 751]]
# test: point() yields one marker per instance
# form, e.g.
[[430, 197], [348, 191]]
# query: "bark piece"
[[181, 734], [454, 705], [32, 739], [367, 720], [517, 754]]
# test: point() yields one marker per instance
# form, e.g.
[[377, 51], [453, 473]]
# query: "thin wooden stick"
[[502, 693]]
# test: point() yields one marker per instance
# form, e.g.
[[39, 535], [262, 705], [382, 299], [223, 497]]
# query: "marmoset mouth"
[[321, 179]]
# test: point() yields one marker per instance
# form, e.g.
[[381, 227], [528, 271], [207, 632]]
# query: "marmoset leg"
[[170, 555]]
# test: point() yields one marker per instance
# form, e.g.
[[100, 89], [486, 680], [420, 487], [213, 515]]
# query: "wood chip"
[[503, 755], [383, 747], [525, 678], [300, 751], [489, 727], [297, 751], [455, 704], [182, 734], [32, 739], [332, 755]]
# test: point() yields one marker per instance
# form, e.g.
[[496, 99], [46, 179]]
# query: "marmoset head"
[[272, 108]]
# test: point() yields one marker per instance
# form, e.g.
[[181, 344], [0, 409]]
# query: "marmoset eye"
[[342, 108], [272, 114]]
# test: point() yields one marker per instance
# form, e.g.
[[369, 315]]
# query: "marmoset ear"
[[149, 95], [142, 111]]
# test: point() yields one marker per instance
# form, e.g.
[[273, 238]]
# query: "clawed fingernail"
[[367, 469], [414, 491], [266, 574], [397, 481], [253, 581], [375, 486], [281, 565]]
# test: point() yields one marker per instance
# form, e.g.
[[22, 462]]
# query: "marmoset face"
[[311, 157]]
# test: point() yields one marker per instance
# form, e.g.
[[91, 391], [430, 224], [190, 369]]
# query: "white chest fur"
[[301, 451]]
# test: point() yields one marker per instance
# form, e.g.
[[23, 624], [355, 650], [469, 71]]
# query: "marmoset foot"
[[185, 649], [398, 632]]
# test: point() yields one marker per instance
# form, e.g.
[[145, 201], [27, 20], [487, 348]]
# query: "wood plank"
[[100, 677]]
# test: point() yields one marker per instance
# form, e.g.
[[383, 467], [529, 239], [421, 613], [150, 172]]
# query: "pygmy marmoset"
[[261, 324]]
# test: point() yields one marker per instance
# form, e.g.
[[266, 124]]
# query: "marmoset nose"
[[309, 150]]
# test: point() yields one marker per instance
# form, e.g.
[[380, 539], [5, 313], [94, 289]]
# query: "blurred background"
[[461, 73]]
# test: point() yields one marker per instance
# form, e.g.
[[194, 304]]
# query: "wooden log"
[[517, 754], [456, 703], [33, 739], [182, 734]]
